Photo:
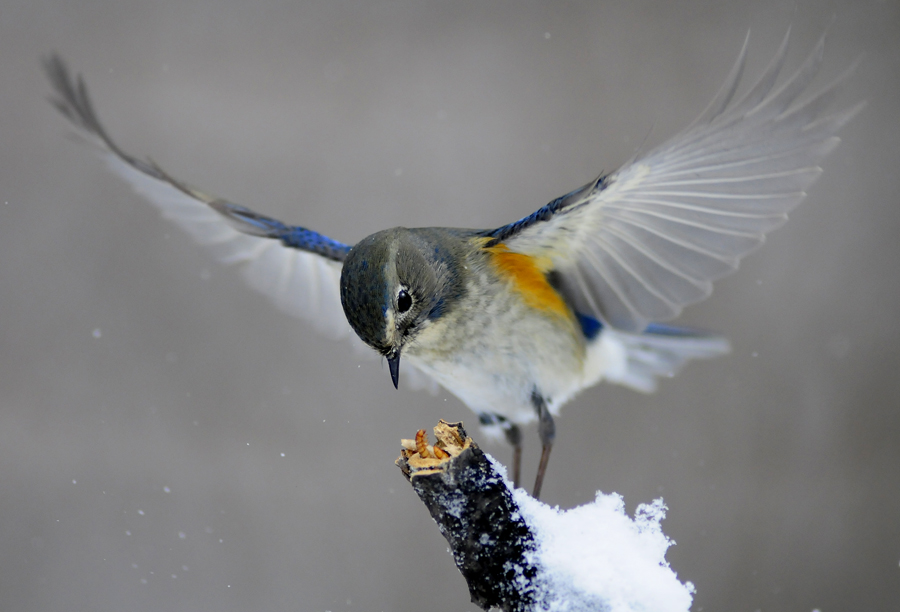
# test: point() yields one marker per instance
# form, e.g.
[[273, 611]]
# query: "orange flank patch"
[[528, 275]]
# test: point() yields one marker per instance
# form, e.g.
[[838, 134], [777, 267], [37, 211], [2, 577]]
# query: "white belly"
[[498, 356]]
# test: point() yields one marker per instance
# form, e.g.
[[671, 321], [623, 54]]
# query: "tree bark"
[[475, 511]]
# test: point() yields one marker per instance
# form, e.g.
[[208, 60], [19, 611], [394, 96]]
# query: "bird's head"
[[397, 282]]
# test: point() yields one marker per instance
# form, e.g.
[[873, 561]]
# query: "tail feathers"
[[660, 351]]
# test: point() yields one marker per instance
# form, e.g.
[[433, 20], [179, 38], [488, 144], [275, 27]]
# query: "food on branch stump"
[[474, 509]]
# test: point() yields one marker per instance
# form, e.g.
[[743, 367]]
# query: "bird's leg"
[[514, 437], [547, 433]]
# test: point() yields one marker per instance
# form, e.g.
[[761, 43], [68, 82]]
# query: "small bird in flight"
[[518, 319]]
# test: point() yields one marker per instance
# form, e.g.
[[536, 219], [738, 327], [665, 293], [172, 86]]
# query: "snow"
[[597, 557]]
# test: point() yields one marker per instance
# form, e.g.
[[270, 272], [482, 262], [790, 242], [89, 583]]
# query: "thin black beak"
[[393, 360]]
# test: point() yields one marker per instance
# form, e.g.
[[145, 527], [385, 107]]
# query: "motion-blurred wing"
[[644, 242], [298, 268]]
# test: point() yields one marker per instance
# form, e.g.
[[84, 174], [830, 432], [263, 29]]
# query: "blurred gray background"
[[169, 441]]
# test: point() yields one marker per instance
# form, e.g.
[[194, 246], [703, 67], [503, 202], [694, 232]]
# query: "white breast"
[[502, 350]]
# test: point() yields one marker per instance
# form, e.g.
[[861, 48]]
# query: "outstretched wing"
[[639, 245], [298, 268]]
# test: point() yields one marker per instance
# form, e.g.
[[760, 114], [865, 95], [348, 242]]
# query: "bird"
[[517, 320]]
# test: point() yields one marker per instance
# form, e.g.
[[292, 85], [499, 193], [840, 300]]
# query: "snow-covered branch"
[[519, 555]]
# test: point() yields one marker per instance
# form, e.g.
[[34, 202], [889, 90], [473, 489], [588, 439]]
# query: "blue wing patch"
[[590, 326], [251, 222], [544, 213]]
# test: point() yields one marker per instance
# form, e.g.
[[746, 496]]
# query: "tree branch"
[[475, 511], [519, 555]]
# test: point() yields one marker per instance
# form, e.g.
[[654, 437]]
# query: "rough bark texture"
[[475, 511]]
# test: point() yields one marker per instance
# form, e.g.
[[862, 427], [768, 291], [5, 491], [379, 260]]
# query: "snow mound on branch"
[[596, 557]]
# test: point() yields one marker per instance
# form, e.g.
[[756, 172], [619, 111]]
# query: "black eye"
[[404, 301]]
